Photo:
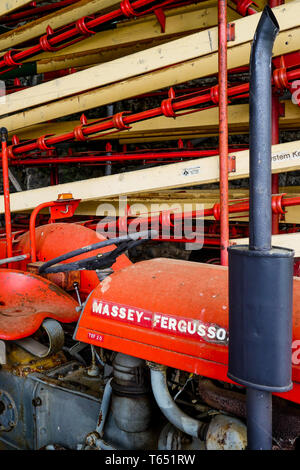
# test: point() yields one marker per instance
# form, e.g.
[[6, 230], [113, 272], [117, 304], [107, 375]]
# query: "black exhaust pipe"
[[260, 276], [260, 109]]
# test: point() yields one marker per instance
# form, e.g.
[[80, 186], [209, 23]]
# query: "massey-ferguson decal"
[[173, 325]]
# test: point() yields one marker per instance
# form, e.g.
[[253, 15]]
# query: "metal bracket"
[[56, 339], [2, 352], [161, 18], [230, 31], [231, 163]]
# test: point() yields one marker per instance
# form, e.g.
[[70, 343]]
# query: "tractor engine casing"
[[171, 312]]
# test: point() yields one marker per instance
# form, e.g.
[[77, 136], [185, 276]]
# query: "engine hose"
[[168, 407], [105, 405]]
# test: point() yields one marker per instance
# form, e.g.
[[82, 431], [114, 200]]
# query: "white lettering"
[[191, 327], [201, 330], [182, 326], [172, 324], [156, 319], [130, 314], [139, 315], [211, 332], [122, 313], [221, 334], [114, 311], [164, 322], [106, 310], [97, 307]]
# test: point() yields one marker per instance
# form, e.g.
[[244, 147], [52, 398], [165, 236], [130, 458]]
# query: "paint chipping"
[[105, 284]]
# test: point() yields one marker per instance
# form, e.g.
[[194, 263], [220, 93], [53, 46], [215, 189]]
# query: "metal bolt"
[[91, 439], [37, 401]]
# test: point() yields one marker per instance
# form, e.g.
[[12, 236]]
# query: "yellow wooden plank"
[[119, 42], [183, 49], [285, 157], [66, 15], [84, 59], [145, 202], [288, 240], [133, 32], [8, 6]]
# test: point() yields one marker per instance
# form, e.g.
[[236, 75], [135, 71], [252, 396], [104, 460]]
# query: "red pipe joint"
[[277, 206], [242, 7], [280, 76]]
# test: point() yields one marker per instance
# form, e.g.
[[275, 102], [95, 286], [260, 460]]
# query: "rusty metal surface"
[[286, 415], [63, 280], [22, 363]]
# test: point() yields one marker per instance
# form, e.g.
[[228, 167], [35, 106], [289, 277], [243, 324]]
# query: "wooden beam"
[[91, 58], [202, 123], [288, 240], [286, 41], [146, 203], [55, 20], [128, 39], [285, 157], [8, 6], [187, 48]]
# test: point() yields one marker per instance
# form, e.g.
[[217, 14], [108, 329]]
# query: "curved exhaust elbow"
[[260, 109]]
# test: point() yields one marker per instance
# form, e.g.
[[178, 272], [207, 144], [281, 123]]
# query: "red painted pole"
[[223, 129], [5, 175], [275, 140], [32, 227], [275, 135]]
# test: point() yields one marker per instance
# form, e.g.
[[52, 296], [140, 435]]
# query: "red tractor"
[[100, 353]]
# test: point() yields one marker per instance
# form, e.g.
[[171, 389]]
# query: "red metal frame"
[[59, 209], [121, 121], [81, 29], [275, 134], [166, 220], [101, 157], [223, 128], [6, 192]]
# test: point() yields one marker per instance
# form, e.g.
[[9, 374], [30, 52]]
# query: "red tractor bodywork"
[[55, 239], [26, 300], [172, 312]]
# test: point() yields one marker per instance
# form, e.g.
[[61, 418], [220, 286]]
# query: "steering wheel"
[[99, 261]]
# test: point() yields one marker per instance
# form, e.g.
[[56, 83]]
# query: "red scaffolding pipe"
[[275, 134], [119, 157], [223, 129], [121, 121], [81, 29], [6, 193], [167, 219]]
